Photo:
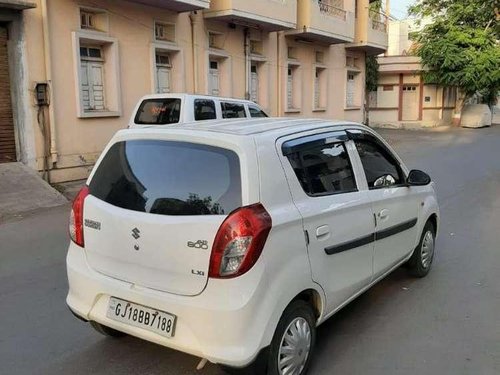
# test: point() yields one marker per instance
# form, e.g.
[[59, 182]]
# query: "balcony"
[[324, 21], [371, 30], [269, 15], [176, 5]]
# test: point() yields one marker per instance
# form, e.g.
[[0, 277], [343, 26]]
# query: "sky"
[[398, 7]]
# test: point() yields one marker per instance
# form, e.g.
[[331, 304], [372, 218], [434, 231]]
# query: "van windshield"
[[159, 111], [169, 178]]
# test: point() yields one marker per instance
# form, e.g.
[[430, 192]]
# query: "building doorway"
[[7, 134], [410, 103]]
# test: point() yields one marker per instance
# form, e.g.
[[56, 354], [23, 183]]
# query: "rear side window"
[[159, 112], [169, 178], [256, 111], [232, 110], [324, 169], [204, 110]]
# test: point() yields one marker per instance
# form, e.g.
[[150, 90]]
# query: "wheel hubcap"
[[294, 348], [427, 249]]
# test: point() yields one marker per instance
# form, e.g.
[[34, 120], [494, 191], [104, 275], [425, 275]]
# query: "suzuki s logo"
[[136, 233]]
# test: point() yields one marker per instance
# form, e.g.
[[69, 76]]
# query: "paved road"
[[447, 323]]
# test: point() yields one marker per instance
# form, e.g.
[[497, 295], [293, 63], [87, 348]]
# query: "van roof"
[[184, 96], [250, 126]]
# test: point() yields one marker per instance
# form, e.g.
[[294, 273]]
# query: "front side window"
[[92, 78], [204, 110], [256, 111], [232, 110], [159, 112], [169, 178], [381, 168], [324, 169]]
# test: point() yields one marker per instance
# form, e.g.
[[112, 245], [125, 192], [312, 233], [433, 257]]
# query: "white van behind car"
[[168, 109]]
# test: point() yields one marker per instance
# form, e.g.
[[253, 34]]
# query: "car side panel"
[[285, 254]]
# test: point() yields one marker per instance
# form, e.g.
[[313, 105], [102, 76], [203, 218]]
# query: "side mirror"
[[418, 178]]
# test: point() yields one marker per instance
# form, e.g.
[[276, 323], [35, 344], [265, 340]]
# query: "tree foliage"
[[460, 47], [371, 77]]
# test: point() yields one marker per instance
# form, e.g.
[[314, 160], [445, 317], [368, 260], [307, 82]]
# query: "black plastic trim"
[[391, 231], [365, 240], [362, 241], [310, 141]]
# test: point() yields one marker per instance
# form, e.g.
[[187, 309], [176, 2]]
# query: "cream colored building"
[[402, 97], [76, 69]]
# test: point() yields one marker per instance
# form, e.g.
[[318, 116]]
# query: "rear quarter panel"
[[287, 266]]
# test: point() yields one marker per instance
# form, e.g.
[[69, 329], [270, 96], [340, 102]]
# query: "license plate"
[[140, 316]]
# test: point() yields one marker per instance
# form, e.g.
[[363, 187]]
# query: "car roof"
[[184, 96], [255, 126]]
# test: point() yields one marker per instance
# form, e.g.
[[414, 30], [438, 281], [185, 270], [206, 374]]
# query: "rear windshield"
[[158, 112], [169, 178]]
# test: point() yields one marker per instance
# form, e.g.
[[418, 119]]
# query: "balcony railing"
[[378, 21], [334, 8]]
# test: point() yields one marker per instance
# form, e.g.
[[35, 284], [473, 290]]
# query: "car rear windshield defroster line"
[[169, 178]]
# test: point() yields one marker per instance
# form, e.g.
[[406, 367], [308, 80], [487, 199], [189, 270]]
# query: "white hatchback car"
[[171, 108], [234, 240]]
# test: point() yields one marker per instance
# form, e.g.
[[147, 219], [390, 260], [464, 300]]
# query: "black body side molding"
[[365, 240]]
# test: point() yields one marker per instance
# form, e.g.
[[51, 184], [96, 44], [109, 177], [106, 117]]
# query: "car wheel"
[[106, 331], [293, 342], [420, 262]]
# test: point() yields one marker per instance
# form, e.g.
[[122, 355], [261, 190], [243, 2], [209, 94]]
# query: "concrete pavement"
[[446, 323], [22, 190]]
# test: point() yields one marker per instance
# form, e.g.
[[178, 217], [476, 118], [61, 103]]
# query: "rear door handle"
[[322, 231], [383, 214]]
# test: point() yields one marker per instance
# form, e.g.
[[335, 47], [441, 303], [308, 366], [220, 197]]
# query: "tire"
[[106, 331], [298, 315], [420, 262]]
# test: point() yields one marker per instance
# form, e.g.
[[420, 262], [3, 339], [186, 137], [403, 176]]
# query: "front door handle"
[[322, 231], [383, 214]]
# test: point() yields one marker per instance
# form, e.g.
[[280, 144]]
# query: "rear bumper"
[[225, 324]]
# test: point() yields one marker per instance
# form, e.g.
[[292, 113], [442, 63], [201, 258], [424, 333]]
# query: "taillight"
[[239, 241], [76, 217]]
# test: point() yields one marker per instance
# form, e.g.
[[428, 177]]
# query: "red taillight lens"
[[76, 218], [239, 241]]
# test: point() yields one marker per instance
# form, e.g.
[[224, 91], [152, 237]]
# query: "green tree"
[[371, 83], [460, 47]]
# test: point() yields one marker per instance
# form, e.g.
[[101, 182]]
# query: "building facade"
[[76, 69], [402, 98]]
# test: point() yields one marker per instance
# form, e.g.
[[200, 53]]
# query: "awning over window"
[[17, 4]]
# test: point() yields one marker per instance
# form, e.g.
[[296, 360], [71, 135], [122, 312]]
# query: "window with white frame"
[[215, 40], [351, 90], [93, 19], [293, 97], [164, 32], [97, 75], [87, 19], [320, 77], [254, 82], [163, 70], [214, 77], [92, 78]]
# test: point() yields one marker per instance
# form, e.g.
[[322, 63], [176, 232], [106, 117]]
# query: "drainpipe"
[[192, 18], [247, 63], [48, 77], [278, 74]]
